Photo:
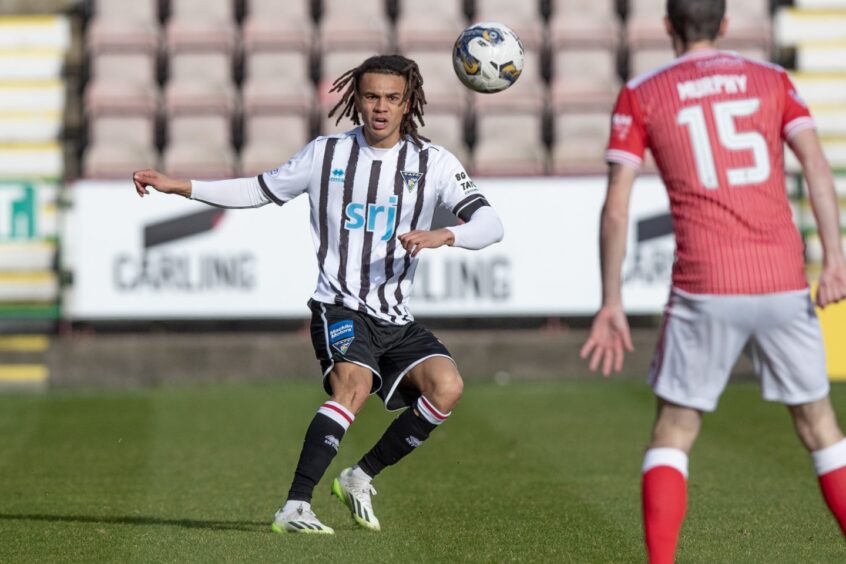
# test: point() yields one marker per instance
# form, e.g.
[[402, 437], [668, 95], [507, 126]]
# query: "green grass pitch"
[[534, 472]]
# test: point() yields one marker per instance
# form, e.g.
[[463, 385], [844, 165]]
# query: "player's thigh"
[[700, 341], [343, 338], [787, 350], [415, 355]]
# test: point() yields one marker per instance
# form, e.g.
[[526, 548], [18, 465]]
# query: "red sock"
[[664, 505], [833, 485]]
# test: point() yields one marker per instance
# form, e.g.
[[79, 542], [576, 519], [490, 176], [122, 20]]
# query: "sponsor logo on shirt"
[[465, 182], [368, 217], [337, 175]]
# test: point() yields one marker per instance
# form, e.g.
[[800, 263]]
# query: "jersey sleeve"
[[627, 143], [458, 193], [291, 179], [796, 116]]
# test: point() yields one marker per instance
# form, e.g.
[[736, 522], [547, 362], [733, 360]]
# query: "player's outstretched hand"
[[832, 285], [609, 339], [162, 183], [415, 241]]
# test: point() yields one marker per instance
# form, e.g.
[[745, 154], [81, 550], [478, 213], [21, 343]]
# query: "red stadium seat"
[[133, 66], [584, 79], [509, 144], [109, 34], [136, 130], [134, 10], [277, 82], [121, 96], [271, 140], [278, 26], [117, 160], [360, 25], [434, 24], [580, 141], [523, 17], [199, 129], [447, 130], [584, 24], [197, 160]]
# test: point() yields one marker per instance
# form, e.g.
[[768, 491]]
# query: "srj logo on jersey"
[[369, 217], [341, 335], [411, 179]]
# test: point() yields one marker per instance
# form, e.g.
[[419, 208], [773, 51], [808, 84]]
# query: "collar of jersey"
[[377, 152], [700, 54]]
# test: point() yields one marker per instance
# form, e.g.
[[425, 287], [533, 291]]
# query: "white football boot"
[[354, 492], [300, 519]]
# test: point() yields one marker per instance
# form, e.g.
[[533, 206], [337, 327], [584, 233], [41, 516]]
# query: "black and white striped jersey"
[[361, 199]]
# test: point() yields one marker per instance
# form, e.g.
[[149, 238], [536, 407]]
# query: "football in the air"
[[488, 57]]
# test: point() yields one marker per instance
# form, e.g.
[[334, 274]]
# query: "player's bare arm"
[[610, 336], [162, 183], [832, 282]]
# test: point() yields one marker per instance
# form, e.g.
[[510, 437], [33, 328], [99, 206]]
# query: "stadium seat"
[[794, 26], [116, 160], [434, 24], [200, 83], [580, 141], [108, 34], [138, 130], [527, 95], [583, 24], [271, 140], [198, 160], [362, 24], [748, 27], [202, 25], [137, 66], [447, 129], [523, 17], [199, 128], [444, 92], [134, 10], [277, 81], [121, 96], [509, 144], [194, 96], [584, 78], [278, 26]]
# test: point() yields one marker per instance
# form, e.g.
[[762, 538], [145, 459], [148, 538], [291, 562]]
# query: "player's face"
[[381, 106]]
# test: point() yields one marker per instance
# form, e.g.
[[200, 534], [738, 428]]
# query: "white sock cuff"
[[672, 457], [337, 413], [429, 412], [830, 458]]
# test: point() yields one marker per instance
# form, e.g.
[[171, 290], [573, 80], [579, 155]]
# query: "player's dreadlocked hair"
[[348, 83]]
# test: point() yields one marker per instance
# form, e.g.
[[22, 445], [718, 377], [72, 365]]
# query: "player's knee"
[[351, 386], [816, 426], [449, 389]]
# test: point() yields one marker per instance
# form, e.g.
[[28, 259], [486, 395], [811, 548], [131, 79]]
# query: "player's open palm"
[[832, 285], [159, 181], [609, 339]]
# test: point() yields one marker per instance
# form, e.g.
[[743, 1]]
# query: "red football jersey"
[[715, 123]]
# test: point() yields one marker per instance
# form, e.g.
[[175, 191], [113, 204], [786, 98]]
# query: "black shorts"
[[340, 334]]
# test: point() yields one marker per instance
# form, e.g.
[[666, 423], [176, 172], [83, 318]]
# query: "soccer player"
[[715, 123], [372, 193]]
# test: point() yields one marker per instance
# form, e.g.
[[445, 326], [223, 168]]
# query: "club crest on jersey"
[[411, 179], [341, 335]]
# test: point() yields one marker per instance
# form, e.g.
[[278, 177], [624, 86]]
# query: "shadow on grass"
[[249, 526]]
